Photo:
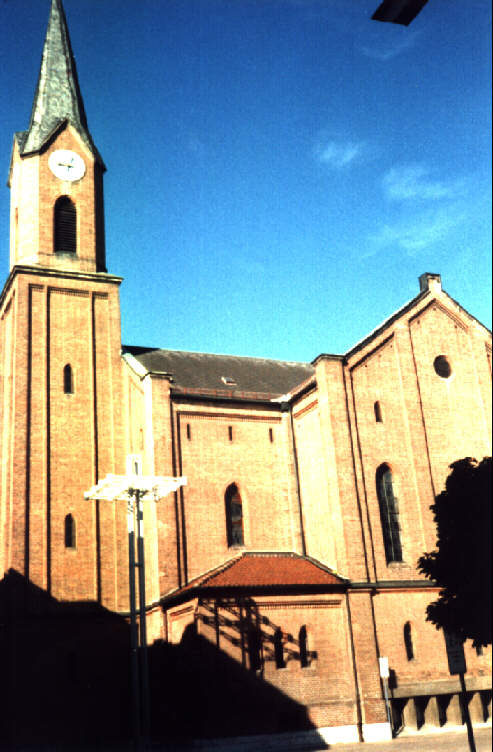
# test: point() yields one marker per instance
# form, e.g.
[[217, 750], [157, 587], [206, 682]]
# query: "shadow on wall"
[[261, 641], [65, 680]]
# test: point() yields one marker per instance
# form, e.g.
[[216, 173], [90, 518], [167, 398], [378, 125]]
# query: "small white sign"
[[455, 653], [384, 667]]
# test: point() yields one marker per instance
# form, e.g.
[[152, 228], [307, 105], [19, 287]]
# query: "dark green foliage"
[[461, 563]]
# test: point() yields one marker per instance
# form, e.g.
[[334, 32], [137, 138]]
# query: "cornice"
[[39, 271]]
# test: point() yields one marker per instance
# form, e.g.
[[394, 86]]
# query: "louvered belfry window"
[[65, 226], [389, 514]]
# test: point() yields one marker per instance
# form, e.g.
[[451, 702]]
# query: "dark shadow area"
[[420, 704], [443, 702], [65, 681], [397, 713], [64, 671], [200, 692]]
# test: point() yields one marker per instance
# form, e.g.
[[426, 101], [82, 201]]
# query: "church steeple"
[[58, 98], [56, 175]]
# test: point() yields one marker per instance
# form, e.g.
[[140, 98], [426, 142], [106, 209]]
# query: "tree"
[[461, 563]]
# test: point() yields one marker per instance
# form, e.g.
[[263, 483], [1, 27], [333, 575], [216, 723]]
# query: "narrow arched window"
[[68, 379], [234, 516], [65, 229], [389, 514], [303, 642], [279, 649], [378, 412], [254, 644], [69, 531], [408, 641]]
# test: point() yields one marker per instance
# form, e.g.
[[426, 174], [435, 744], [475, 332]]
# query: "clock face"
[[66, 165]]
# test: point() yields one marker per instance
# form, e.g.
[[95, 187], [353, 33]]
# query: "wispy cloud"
[[415, 234], [402, 40], [412, 182], [338, 154]]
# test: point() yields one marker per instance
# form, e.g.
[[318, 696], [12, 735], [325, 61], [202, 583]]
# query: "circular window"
[[442, 367]]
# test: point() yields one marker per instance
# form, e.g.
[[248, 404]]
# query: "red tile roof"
[[253, 570]]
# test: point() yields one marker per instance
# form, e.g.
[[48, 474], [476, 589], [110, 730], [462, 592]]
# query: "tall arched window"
[[389, 514], [279, 649], [234, 516], [65, 229], [408, 641], [378, 412], [254, 645], [69, 531], [303, 641], [68, 379]]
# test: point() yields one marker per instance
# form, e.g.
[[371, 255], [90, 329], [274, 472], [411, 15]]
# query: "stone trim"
[[306, 409], [271, 605]]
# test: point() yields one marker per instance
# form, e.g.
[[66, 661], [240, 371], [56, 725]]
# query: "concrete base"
[[300, 740], [377, 732]]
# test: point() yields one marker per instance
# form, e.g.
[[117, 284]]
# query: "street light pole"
[[144, 663], [134, 489], [134, 659]]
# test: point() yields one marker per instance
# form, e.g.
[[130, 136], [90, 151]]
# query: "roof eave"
[[242, 591]]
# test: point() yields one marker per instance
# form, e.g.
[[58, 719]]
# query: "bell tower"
[[61, 424], [56, 172]]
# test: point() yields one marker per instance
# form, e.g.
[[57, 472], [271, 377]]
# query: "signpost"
[[457, 665], [134, 489], [384, 675]]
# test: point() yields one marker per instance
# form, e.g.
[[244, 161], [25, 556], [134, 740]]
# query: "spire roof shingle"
[[57, 99]]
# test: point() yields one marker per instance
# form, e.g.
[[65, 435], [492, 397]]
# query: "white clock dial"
[[66, 165]]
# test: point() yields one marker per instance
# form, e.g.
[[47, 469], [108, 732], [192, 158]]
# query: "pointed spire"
[[57, 98]]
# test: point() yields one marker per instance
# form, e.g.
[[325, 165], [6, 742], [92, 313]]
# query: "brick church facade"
[[287, 564]]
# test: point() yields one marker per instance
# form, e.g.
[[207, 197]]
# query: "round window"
[[442, 367]]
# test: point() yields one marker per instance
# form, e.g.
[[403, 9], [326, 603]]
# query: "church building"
[[285, 568]]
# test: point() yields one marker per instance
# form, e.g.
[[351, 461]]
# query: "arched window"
[[303, 642], [65, 229], [234, 516], [408, 641], [279, 649], [69, 531], [378, 412], [389, 514], [254, 644], [68, 379]]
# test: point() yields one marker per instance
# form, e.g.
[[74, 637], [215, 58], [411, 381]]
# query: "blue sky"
[[279, 171]]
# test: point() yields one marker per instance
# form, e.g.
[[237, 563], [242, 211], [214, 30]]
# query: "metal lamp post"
[[134, 489]]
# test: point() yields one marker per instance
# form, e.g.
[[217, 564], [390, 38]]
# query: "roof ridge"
[[218, 355], [222, 568], [210, 573], [323, 566]]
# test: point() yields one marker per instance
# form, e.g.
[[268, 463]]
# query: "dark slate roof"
[[57, 99], [203, 373]]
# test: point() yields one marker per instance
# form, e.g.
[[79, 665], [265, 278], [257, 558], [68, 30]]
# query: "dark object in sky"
[[461, 563], [398, 11]]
